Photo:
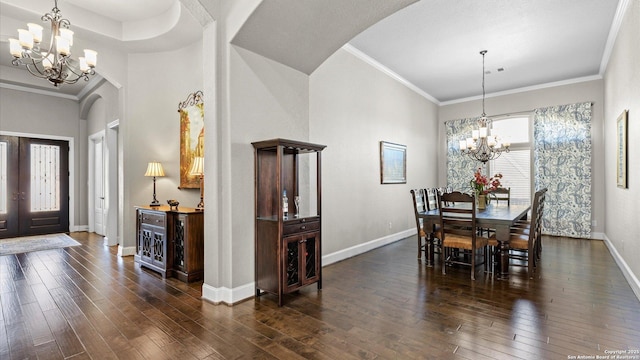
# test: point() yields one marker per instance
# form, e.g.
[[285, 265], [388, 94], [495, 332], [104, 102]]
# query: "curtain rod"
[[519, 112], [512, 113]]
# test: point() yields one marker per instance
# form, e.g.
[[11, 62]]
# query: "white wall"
[[622, 91], [526, 101], [353, 107], [268, 100], [156, 84]]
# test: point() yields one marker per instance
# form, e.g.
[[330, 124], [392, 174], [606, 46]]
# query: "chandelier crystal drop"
[[54, 62], [483, 145]]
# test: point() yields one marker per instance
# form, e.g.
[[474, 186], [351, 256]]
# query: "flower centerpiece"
[[482, 185]]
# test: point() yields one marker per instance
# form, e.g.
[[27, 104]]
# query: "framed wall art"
[[621, 149], [191, 137], [393, 163]]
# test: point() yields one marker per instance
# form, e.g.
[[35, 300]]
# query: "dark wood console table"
[[171, 242]]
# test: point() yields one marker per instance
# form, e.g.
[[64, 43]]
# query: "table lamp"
[[197, 168], [154, 169]]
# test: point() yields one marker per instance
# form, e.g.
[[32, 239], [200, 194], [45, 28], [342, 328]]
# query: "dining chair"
[[419, 205], [460, 239], [524, 226], [500, 194], [524, 242], [435, 247]]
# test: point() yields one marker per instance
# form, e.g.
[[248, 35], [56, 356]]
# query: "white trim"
[[597, 236], [226, 295], [72, 176], [626, 271], [38, 91], [613, 34], [232, 296], [369, 60], [525, 89], [114, 124], [126, 251], [92, 140], [365, 247]]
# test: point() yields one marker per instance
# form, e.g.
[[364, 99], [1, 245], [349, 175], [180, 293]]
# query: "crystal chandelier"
[[53, 63], [483, 145]]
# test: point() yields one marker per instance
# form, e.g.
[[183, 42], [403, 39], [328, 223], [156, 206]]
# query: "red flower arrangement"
[[480, 181]]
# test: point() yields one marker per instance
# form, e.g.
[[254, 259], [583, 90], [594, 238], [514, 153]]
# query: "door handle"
[[15, 196], [22, 196]]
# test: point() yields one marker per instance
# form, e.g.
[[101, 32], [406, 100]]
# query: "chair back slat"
[[432, 198], [501, 194], [458, 214]]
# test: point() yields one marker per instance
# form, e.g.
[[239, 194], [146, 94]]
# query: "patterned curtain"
[[562, 163], [460, 168]]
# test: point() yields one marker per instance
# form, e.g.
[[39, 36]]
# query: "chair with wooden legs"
[[435, 246], [419, 205], [500, 195], [460, 239], [524, 226], [524, 240]]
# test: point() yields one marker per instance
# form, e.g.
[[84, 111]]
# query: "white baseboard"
[[126, 251], [79, 228], [597, 236], [364, 247], [224, 295], [626, 271], [228, 296]]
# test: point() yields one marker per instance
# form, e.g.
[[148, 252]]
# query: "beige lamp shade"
[[154, 169], [197, 166]]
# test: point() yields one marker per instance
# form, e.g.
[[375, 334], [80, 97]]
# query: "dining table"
[[498, 217]]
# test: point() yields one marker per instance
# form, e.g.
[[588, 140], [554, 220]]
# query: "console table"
[[170, 241]]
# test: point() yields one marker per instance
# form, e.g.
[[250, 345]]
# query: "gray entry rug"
[[35, 243]]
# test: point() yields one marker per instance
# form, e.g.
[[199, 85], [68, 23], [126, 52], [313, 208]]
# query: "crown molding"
[[613, 34]]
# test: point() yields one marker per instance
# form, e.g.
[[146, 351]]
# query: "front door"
[[9, 190], [38, 202]]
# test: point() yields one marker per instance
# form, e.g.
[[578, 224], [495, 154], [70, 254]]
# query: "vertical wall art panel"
[[191, 137]]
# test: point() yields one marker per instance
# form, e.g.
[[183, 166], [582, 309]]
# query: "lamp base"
[[155, 203]]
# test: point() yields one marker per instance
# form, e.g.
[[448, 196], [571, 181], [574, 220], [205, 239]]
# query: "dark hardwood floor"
[[84, 302]]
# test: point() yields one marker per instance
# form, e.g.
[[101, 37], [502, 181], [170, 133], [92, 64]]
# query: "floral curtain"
[[562, 163], [460, 168]]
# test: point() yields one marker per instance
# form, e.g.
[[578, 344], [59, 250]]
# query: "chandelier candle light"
[[483, 145], [53, 63]]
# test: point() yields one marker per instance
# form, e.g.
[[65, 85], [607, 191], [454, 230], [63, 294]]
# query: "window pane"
[[3, 178], [45, 178], [514, 130], [515, 168]]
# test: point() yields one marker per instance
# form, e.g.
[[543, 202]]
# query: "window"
[[45, 177], [515, 166]]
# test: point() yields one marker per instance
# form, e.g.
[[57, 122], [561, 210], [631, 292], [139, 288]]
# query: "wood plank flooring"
[[84, 302]]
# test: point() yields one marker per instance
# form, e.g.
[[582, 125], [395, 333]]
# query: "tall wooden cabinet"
[[171, 242], [287, 248]]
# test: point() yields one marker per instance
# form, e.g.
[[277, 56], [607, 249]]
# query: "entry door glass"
[[45, 177]]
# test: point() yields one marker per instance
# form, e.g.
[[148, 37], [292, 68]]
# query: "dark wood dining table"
[[499, 217]]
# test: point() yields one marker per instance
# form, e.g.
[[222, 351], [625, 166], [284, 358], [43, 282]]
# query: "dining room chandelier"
[[53, 61], [483, 145]]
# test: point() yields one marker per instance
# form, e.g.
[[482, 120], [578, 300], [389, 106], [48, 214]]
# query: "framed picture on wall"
[[621, 149], [393, 163], [191, 137]]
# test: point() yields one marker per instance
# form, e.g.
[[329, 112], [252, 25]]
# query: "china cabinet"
[[288, 218]]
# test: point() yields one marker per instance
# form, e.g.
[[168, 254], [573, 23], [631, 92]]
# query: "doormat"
[[26, 244]]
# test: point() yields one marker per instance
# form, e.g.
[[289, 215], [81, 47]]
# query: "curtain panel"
[[562, 163], [460, 168]]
